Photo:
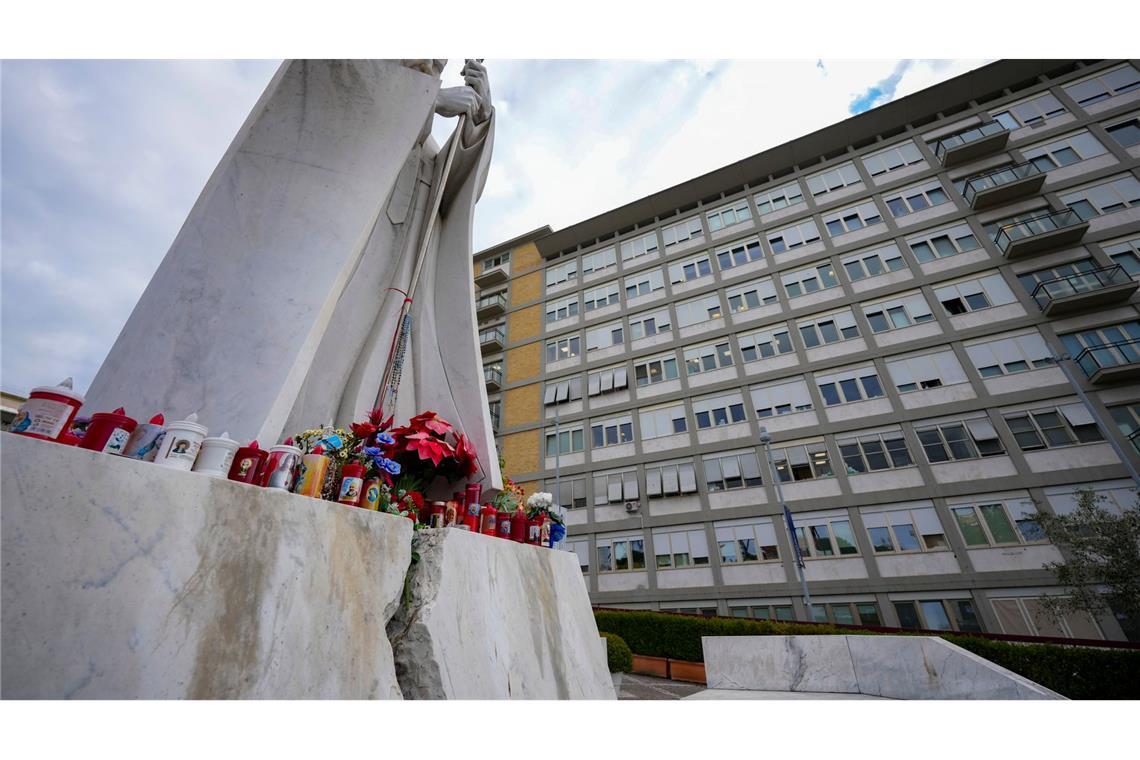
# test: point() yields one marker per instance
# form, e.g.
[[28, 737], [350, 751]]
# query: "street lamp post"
[[766, 439]]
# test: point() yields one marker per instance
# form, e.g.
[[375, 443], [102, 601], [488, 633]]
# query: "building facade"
[[887, 298]]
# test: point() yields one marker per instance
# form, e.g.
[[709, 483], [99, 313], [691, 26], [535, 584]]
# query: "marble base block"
[[126, 580], [492, 619], [895, 667]]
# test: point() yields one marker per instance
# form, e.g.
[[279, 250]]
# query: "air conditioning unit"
[[632, 506]]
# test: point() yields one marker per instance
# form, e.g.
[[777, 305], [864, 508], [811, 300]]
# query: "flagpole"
[[765, 440]]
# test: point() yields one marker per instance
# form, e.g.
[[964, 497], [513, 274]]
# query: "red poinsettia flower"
[[376, 417], [364, 430], [465, 456], [430, 421], [427, 446]]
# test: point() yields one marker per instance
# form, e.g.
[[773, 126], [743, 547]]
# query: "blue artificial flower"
[[373, 451], [392, 466], [385, 439]]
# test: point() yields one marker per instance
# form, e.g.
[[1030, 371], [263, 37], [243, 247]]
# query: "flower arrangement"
[[540, 503]]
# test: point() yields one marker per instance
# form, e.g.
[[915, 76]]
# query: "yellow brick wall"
[[521, 450], [526, 288], [524, 323], [524, 362], [523, 405], [525, 257]]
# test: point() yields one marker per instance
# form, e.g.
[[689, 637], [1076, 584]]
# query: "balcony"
[[492, 340], [1052, 229], [1111, 362], [493, 377], [491, 306], [1003, 185], [1074, 292], [496, 275], [971, 143]]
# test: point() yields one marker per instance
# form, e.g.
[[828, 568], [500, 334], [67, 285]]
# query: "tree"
[[1102, 560]]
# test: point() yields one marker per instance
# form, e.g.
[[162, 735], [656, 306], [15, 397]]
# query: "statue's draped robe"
[[270, 312]]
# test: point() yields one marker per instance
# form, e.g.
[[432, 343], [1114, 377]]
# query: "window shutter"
[[600, 495], [949, 368], [845, 319], [595, 385], [797, 455], [563, 392], [900, 372], [749, 465], [766, 533], [614, 489], [927, 520], [621, 379], [981, 430], [730, 467], [607, 381], [629, 486], [653, 482], [698, 544], [798, 392], [1077, 414], [575, 388], [551, 390], [669, 476], [688, 477], [875, 520]]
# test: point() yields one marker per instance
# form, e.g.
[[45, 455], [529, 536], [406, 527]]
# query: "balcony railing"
[[491, 305], [971, 143], [493, 339], [495, 275], [1038, 233], [1084, 289], [1112, 361], [493, 377], [1001, 185]]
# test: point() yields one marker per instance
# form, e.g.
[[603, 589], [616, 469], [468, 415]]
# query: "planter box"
[[692, 672], [651, 666]]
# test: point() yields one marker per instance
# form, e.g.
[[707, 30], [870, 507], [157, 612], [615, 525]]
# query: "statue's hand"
[[475, 76], [453, 101]]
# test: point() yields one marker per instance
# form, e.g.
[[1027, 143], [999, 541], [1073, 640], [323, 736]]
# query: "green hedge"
[[619, 654], [1076, 672]]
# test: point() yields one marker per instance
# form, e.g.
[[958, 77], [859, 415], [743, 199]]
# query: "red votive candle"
[[518, 526], [487, 520], [438, 510], [503, 524], [534, 531], [247, 463], [108, 432], [351, 484]]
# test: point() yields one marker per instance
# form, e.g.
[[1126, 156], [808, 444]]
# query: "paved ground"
[[648, 687]]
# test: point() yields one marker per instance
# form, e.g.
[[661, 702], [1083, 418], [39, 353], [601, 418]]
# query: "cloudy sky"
[[102, 160]]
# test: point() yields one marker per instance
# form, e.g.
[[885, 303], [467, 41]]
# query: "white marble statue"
[[275, 308]]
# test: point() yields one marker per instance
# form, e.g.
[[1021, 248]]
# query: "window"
[[1029, 113], [682, 231], [690, 269], [611, 432], [670, 479], [603, 295], [563, 348], [852, 218], [562, 309], [733, 470], [778, 198], [1125, 253], [764, 344], [920, 373], [828, 328], [656, 369], [561, 391], [1069, 149], [582, 550], [570, 492], [726, 216], [567, 441], [496, 410], [871, 452], [781, 398], [802, 462], [599, 260], [1027, 616], [649, 323], [746, 541], [898, 313], [904, 530], [974, 294], [955, 441], [916, 198], [560, 273], [496, 261], [1031, 280], [847, 613], [703, 309], [680, 547], [825, 536], [606, 381], [604, 336], [1126, 132], [895, 157], [708, 357], [810, 280], [1052, 427], [934, 615], [739, 253], [660, 421], [942, 244], [1104, 85], [767, 611], [833, 179], [1009, 355], [615, 487], [716, 411], [638, 247], [1106, 198], [849, 386], [644, 283], [996, 522], [1110, 346], [874, 262], [800, 233], [622, 554], [751, 295]]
